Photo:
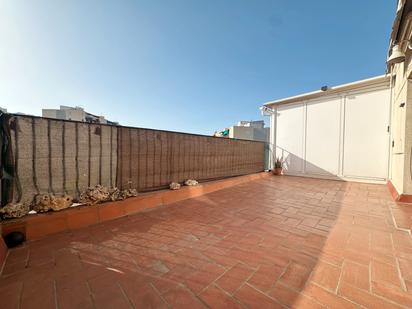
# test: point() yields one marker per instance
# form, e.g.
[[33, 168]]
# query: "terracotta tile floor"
[[271, 243]]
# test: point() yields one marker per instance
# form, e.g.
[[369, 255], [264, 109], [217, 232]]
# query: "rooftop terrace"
[[276, 242]]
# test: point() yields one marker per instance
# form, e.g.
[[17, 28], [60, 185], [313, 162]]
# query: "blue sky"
[[184, 65]]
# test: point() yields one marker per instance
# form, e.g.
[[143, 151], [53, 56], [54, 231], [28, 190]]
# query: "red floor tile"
[[273, 242], [293, 299], [253, 298], [326, 275], [295, 275], [216, 298], [356, 275], [234, 278]]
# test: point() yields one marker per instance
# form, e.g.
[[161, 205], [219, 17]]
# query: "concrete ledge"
[[401, 198], [40, 225]]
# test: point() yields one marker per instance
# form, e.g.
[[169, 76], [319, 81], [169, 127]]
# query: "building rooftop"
[[276, 242], [370, 82], [76, 113]]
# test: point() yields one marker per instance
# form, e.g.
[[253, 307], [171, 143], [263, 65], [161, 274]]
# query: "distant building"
[[74, 113], [250, 130]]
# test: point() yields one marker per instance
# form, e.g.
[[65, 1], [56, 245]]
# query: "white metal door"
[[341, 137], [289, 136], [323, 137], [366, 148]]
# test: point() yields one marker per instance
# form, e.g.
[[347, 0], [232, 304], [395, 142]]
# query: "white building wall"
[[249, 133], [289, 147], [65, 113], [49, 113], [344, 135], [323, 136]]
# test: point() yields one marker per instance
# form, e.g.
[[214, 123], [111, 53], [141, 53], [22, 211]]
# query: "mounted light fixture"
[[266, 111], [397, 56]]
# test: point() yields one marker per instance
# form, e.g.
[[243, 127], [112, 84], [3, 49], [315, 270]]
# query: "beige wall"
[[241, 132], [401, 132], [407, 176], [64, 114], [49, 113], [249, 133]]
